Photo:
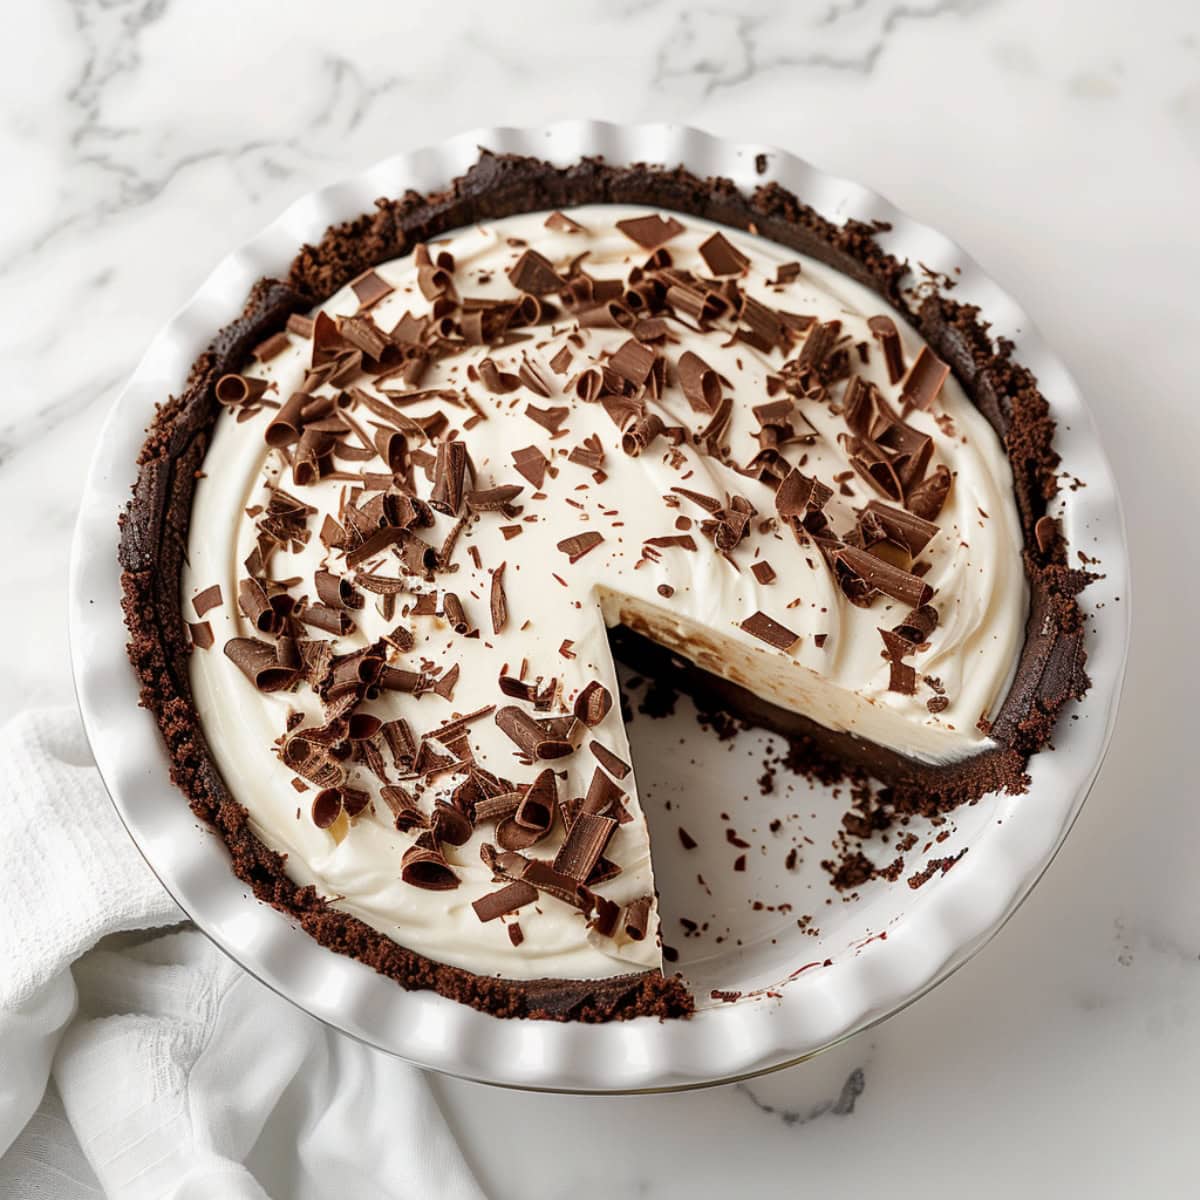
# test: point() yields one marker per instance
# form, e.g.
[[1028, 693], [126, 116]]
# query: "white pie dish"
[[930, 931]]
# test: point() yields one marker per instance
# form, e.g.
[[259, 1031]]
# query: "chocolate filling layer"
[[154, 533]]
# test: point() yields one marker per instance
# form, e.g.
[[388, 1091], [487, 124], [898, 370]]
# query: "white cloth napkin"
[[152, 1065]]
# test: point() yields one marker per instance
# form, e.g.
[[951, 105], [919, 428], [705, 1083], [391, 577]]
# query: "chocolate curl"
[[918, 625], [455, 614], [313, 449], [635, 918], [874, 466], [507, 900], [336, 590], [699, 382], [926, 499], [538, 739], [312, 761], [589, 384], [593, 704], [537, 807], [450, 824], [327, 807], [904, 528], [496, 381], [285, 426], [426, 867], [260, 663], [881, 576], [585, 843], [884, 330], [238, 391], [392, 447], [450, 472], [256, 604], [404, 809], [641, 434], [611, 314], [327, 619]]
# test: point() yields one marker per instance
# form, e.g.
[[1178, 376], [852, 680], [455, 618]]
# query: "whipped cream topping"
[[693, 600]]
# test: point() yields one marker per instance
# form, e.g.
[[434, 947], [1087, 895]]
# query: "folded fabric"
[[174, 1072]]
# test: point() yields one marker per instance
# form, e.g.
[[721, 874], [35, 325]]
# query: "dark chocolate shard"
[[203, 602], [201, 634], [884, 330], [532, 464], [579, 544], [926, 499], [370, 287], [768, 630], [650, 231], [535, 274], [722, 256], [593, 703], [924, 381], [507, 900]]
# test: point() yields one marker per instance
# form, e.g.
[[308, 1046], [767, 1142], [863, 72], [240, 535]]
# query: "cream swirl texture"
[[695, 600]]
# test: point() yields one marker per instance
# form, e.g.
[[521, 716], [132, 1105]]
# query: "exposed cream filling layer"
[[974, 567]]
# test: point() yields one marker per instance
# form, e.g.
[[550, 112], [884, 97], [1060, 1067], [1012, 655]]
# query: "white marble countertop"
[[1058, 140]]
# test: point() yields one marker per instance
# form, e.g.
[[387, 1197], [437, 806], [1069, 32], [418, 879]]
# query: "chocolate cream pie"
[[377, 547]]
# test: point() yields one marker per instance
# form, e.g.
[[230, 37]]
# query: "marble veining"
[[1058, 140]]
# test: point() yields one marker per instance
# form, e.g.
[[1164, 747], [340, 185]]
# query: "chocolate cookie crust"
[[155, 526]]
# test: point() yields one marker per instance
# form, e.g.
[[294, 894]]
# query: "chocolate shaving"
[[926, 499], [882, 576], [608, 760], [267, 669], [498, 600], [593, 703], [202, 634], [561, 223], [205, 601], [635, 917], [548, 418], [426, 867], [579, 544], [700, 384], [532, 464], [535, 274], [507, 900], [370, 288], [450, 471], [768, 630], [916, 627], [763, 572], [639, 436], [925, 379], [585, 843], [722, 256], [650, 231], [904, 528], [633, 362], [888, 337]]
